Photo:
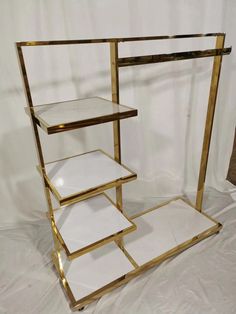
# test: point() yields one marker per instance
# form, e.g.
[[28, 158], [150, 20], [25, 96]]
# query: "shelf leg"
[[209, 122], [41, 161], [116, 124]]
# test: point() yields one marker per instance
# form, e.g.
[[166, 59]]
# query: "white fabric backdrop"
[[163, 144]]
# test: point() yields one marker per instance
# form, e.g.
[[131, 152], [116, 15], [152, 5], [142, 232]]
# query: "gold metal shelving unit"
[[97, 247]]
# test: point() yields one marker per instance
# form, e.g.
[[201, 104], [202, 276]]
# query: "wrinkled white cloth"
[[200, 280]]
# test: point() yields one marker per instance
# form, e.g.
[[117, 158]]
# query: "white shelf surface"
[[164, 228], [68, 115], [90, 221], [96, 269], [79, 174]]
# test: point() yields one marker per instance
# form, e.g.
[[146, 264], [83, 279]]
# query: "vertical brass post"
[[37, 143], [220, 39], [116, 124]]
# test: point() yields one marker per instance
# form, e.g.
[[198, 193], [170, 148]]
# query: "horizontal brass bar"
[[139, 60], [86, 249], [109, 40]]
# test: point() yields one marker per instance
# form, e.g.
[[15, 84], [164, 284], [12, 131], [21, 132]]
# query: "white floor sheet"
[[199, 280]]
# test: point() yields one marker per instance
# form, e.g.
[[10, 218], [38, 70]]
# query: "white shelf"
[[89, 224], [95, 270], [78, 113], [163, 229], [84, 175]]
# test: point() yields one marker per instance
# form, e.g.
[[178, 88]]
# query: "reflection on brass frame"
[[117, 62]]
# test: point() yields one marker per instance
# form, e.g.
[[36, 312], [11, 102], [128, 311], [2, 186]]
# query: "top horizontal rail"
[[107, 40]]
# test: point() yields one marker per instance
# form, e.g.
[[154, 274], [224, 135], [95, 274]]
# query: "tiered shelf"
[[97, 247], [79, 177], [91, 223], [69, 115]]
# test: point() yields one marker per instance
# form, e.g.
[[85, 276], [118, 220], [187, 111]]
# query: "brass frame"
[[116, 63]]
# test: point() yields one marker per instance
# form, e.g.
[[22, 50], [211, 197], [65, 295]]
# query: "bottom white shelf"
[[163, 231], [96, 269], [164, 228]]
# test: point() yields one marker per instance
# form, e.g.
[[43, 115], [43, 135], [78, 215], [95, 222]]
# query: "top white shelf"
[[69, 115]]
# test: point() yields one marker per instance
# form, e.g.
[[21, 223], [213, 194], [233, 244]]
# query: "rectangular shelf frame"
[[94, 190], [88, 248], [77, 124], [117, 63]]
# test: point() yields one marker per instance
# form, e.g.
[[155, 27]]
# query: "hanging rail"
[[139, 60]]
